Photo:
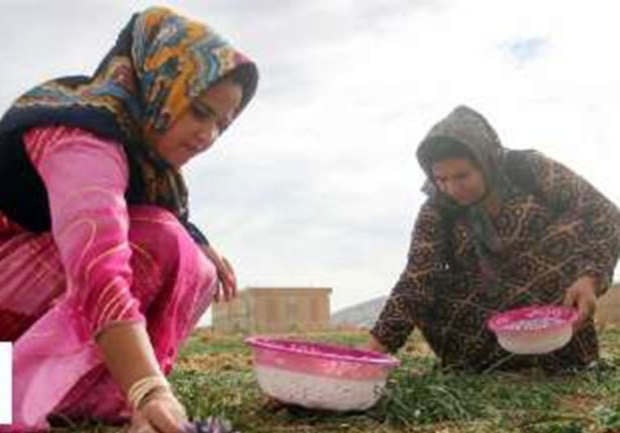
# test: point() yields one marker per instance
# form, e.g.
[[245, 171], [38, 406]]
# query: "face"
[[459, 179], [200, 125]]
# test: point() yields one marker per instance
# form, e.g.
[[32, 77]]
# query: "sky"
[[316, 183]]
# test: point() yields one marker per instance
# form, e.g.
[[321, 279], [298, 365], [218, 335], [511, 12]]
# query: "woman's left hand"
[[227, 281], [582, 295]]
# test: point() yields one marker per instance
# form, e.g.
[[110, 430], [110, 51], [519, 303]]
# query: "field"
[[214, 376]]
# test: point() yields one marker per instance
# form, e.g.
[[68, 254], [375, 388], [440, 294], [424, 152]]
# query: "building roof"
[[287, 289]]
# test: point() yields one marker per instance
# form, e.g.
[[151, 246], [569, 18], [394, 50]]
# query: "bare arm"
[[129, 356]]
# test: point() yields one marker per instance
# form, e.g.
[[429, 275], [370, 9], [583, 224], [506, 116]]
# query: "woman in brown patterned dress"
[[500, 229]]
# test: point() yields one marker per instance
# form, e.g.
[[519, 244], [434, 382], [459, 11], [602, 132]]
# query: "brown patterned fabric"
[[552, 228]]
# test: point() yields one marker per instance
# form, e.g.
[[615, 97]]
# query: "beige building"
[[608, 308], [273, 310]]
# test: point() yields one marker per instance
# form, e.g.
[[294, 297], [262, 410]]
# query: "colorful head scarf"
[[160, 63]]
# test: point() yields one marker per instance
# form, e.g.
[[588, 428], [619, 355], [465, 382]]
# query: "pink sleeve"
[[86, 178]]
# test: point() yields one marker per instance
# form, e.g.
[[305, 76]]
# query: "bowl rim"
[[271, 343], [499, 320]]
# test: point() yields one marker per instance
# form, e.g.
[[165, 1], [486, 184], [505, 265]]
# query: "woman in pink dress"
[[102, 275]]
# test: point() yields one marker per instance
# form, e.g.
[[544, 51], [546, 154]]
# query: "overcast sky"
[[316, 184]]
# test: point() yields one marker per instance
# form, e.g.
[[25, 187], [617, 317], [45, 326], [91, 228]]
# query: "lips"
[[195, 148]]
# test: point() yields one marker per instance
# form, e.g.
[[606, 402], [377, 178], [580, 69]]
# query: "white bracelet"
[[141, 389]]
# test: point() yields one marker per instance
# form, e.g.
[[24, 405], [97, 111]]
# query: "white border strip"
[[6, 382]]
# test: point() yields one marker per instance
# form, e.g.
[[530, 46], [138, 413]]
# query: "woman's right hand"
[[161, 413], [375, 346]]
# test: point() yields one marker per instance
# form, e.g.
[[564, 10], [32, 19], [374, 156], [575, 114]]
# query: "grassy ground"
[[214, 376]]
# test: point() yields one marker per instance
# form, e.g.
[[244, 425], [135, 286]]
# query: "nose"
[[446, 186], [452, 188], [207, 136]]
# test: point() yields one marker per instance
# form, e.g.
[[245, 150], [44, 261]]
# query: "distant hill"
[[363, 314]]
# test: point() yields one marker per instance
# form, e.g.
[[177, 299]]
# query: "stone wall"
[[608, 309]]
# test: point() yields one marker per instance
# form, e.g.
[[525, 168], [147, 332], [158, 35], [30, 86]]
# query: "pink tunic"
[[103, 263]]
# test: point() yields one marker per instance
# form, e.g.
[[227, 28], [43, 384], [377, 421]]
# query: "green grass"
[[214, 376]]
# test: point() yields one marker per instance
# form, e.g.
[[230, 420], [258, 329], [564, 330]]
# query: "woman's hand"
[[582, 295], [227, 281], [375, 346], [161, 413]]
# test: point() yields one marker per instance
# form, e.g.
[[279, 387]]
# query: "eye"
[[202, 111], [462, 176]]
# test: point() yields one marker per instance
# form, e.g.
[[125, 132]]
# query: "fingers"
[[164, 414], [227, 278], [167, 423], [226, 286], [229, 268], [227, 289], [573, 300], [231, 279], [586, 307], [375, 346], [223, 288], [582, 296], [570, 298], [217, 290], [582, 308], [145, 428], [139, 424]]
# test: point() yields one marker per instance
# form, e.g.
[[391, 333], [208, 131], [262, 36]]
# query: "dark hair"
[[438, 149], [246, 76]]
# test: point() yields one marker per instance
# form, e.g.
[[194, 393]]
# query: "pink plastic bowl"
[[533, 330], [320, 376]]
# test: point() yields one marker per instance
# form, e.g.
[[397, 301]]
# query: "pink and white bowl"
[[534, 330], [320, 376]]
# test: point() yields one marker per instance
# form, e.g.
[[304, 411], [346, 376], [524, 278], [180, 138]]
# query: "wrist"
[[376, 346], [146, 388], [592, 281]]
